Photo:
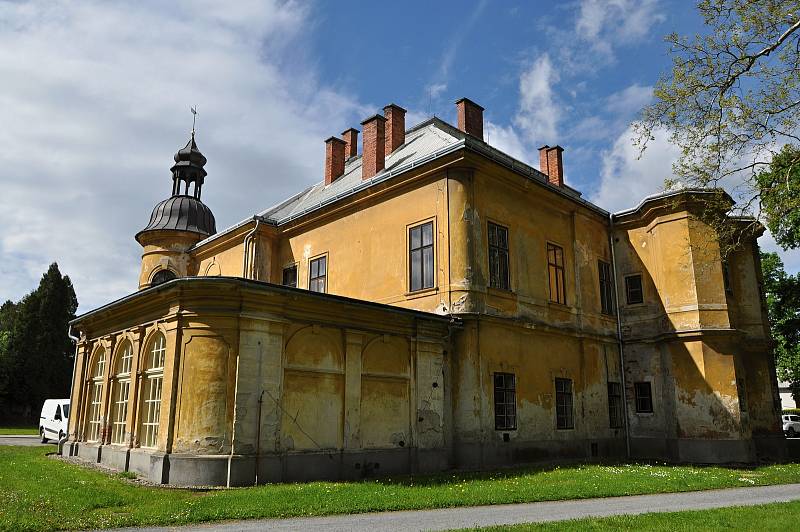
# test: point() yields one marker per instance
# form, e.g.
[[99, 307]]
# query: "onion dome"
[[184, 211]]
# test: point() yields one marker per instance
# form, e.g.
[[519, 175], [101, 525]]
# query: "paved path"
[[507, 514], [22, 440]]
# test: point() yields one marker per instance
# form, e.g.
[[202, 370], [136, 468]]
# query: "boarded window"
[[615, 412], [742, 394], [498, 257], [318, 275], [606, 287], [633, 289], [644, 397], [564, 418], [555, 270], [505, 401], [420, 256], [726, 277], [290, 276]]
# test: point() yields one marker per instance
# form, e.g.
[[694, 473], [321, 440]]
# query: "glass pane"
[[314, 269], [502, 237], [416, 270], [427, 256], [492, 234], [323, 266], [416, 240], [427, 234]]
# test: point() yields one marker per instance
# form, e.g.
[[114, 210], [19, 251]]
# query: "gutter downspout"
[[619, 337], [75, 340], [233, 423], [248, 240]]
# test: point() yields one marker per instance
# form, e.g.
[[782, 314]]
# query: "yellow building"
[[431, 303]]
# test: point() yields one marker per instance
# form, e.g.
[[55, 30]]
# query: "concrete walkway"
[[508, 514], [24, 440]]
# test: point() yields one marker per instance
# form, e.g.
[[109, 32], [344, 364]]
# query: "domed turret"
[[178, 222]]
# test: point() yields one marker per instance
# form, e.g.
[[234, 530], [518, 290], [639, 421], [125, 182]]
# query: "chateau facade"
[[432, 303]]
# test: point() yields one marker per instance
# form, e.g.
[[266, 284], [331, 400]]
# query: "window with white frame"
[[93, 431], [151, 393], [121, 387]]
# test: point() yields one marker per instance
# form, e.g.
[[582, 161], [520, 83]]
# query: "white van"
[[54, 419]]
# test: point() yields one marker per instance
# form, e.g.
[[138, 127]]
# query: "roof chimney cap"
[[373, 117], [395, 106], [335, 139], [465, 99], [349, 129]]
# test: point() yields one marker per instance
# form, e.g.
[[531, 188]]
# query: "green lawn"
[[5, 431], [778, 516], [40, 493]]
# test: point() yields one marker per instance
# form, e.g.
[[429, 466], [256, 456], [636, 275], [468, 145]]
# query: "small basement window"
[[644, 397]]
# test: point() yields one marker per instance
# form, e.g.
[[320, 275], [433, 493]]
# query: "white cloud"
[[506, 140], [626, 179], [95, 99], [606, 23], [539, 112]]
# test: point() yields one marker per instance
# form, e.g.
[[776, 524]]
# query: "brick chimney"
[[470, 117], [350, 137], [334, 159], [551, 164], [373, 156], [395, 127]]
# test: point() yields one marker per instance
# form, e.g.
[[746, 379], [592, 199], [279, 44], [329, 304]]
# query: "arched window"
[[121, 388], [162, 277], [151, 392], [96, 395]]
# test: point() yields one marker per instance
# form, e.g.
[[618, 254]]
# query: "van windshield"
[[66, 410]]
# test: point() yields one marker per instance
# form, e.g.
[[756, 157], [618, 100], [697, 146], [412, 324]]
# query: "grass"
[[28, 431], [766, 517], [40, 493]]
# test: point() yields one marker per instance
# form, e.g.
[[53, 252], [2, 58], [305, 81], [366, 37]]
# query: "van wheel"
[[790, 432], [60, 435], [41, 433]]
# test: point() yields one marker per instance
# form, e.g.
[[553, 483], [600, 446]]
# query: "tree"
[[779, 188], [730, 103], [35, 351], [783, 306]]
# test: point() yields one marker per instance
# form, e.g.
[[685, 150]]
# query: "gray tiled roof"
[[421, 142], [424, 142]]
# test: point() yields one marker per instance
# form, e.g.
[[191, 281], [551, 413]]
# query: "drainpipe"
[[75, 340], [233, 422], [619, 338], [248, 240]]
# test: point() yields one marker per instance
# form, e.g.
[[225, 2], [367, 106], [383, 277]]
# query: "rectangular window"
[[615, 412], [555, 270], [606, 288], [290, 276], [318, 274], [120, 413], [644, 397], [498, 257], [93, 433], [505, 401], [152, 410], [564, 419], [726, 277], [633, 289], [420, 256]]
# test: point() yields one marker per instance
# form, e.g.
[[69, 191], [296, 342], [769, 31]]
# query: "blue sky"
[[95, 99]]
